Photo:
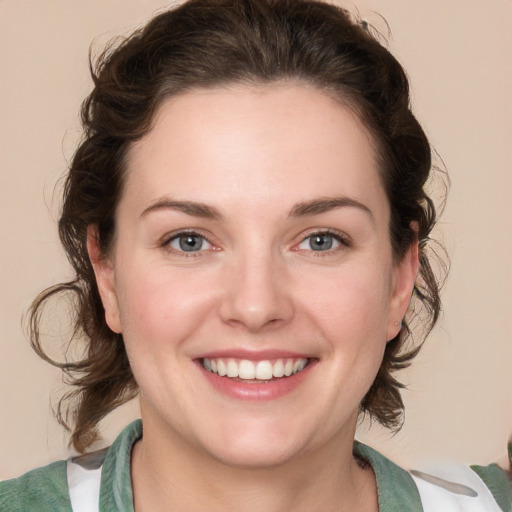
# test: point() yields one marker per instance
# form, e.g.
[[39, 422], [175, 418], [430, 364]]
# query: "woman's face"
[[253, 237]]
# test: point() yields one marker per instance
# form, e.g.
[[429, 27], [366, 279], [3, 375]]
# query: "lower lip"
[[254, 391]]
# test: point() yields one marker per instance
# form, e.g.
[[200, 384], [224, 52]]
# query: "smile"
[[246, 370]]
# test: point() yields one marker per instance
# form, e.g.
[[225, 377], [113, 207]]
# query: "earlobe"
[[405, 273], [105, 279]]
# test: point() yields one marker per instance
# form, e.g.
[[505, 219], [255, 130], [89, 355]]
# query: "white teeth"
[[250, 370], [232, 369], [221, 368], [278, 368], [246, 369], [264, 370]]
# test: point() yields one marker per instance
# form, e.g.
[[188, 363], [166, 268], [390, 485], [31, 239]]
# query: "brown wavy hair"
[[208, 43]]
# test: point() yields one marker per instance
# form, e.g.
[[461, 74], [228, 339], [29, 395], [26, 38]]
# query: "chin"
[[254, 456], [253, 443]]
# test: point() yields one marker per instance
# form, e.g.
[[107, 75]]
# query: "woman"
[[247, 220]]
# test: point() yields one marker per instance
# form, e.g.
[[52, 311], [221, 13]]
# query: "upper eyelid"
[[169, 237], [342, 236]]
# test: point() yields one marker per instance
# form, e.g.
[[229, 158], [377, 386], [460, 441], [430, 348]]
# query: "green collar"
[[116, 484], [397, 490]]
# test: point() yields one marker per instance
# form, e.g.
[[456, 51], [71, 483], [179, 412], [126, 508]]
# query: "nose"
[[258, 295]]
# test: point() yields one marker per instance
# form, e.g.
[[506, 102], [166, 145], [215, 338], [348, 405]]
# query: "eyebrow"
[[189, 207], [303, 209], [325, 204]]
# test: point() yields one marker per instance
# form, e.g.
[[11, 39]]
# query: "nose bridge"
[[257, 295]]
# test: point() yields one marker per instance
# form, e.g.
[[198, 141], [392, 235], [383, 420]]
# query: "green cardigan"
[[46, 489]]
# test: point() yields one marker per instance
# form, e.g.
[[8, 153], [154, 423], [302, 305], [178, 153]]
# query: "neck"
[[169, 474]]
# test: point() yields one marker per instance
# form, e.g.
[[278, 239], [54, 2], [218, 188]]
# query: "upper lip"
[[253, 355]]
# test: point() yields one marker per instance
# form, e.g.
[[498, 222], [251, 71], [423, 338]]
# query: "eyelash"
[[338, 236], [166, 243]]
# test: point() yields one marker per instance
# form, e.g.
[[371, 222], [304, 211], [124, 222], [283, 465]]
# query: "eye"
[[188, 242], [320, 242]]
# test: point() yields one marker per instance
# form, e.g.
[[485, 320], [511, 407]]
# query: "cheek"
[[158, 307], [351, 303], [351, 312]]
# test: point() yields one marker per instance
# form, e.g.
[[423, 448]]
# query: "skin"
[[253, 156]]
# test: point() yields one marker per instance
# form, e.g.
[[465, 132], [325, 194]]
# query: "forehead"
[[283, 142]]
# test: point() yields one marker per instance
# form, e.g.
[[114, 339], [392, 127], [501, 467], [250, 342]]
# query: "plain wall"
[[458, 55]]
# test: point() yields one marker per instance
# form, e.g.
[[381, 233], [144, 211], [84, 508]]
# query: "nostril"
[[256, 300]]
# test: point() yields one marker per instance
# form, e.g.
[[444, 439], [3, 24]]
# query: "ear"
[[105, 279], [404, 277]]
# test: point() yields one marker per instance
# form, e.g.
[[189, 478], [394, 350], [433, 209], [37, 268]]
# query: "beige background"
[[458, 53]]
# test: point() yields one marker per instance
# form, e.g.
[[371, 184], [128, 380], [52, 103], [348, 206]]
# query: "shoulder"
[[441, 487], [43, 490], [469, 488], [455, 487], [499, 483], [78, 484]]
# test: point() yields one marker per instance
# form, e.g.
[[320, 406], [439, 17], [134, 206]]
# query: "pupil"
[[321, 242], [190, 243]]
